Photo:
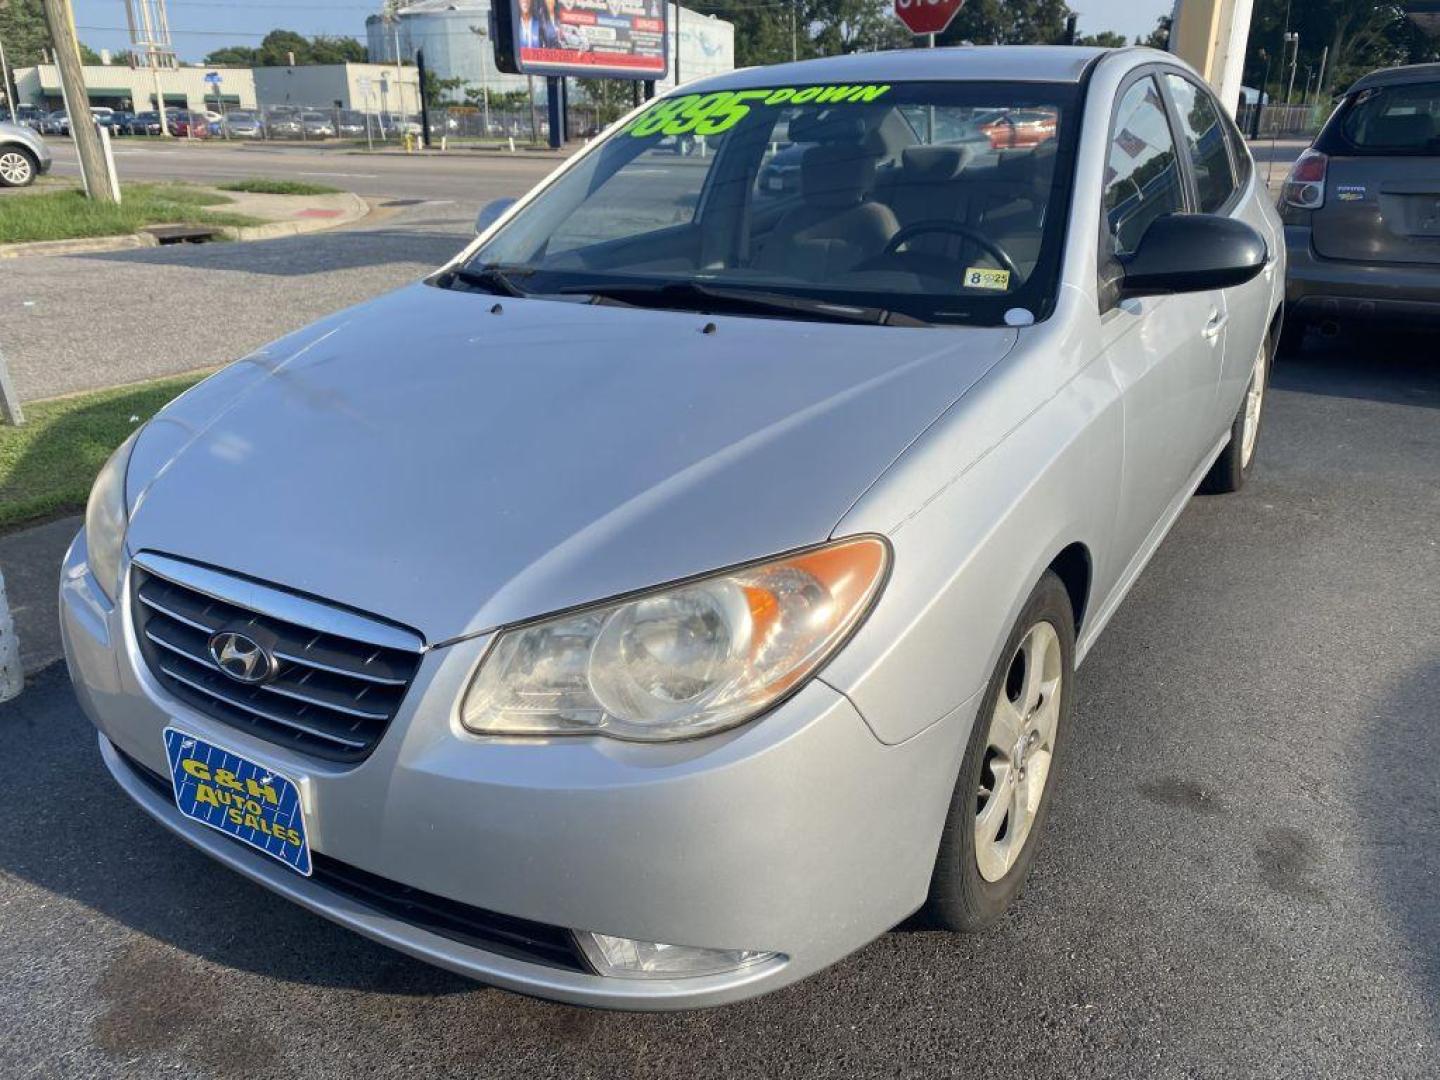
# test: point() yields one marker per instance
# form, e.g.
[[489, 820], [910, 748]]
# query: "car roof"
[[962, 63], [1396, 76]]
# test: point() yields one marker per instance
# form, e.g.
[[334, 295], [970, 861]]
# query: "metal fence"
[[1282, 121], [326, 123]]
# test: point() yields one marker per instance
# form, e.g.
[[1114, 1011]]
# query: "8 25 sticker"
[[984, 277]]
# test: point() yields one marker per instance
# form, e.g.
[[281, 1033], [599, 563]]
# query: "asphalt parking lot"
[[1241, 875]]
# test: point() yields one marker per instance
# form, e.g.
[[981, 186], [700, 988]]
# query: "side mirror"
[[490, 213], [1192, 253]]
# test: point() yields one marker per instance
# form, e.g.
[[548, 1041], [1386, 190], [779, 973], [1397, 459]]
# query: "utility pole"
[[1320, 81], [424, 100], [99, 182], [8, 86], [677, 42], [794, 41]]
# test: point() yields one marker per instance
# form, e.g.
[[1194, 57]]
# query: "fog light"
[[626, 958]]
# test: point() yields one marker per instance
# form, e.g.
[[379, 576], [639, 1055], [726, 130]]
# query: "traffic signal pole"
[[94, 167]]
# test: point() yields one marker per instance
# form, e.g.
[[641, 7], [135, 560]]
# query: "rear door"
[[1382, 190]]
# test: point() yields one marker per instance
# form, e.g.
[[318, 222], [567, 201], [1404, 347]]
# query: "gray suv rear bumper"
[[1317, 289]]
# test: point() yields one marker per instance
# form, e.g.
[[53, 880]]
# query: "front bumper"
[[800, 834], [1317, 289]]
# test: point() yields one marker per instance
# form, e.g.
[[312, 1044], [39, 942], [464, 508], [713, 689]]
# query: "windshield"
[[1403, 119], [942, 201]]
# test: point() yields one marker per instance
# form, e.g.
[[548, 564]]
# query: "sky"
[[198, 26]]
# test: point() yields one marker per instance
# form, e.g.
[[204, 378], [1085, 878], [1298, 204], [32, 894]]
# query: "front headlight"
[[682, 661], [106, 516]]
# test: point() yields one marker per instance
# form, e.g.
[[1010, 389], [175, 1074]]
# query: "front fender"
[[971, 540]]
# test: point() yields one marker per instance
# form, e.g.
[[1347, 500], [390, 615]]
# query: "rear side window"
[[1142, 172], [1205, 142], [1393, 120]]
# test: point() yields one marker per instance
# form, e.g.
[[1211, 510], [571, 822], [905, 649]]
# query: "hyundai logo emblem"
[[242, 658]]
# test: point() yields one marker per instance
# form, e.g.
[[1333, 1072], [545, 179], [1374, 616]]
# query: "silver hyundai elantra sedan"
[[685, 584]]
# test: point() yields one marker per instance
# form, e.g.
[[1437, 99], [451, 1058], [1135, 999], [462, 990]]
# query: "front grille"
[[331, 695], [504, 935]]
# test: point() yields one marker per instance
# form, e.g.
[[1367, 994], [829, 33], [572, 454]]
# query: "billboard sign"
[[617, 39]]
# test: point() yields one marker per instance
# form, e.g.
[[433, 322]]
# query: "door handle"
[[1214, 326]]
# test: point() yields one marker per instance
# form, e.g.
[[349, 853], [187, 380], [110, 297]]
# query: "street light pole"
[[1293, 37], [484, 36]]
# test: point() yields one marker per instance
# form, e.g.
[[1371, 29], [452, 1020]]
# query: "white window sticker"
[[984, 277]]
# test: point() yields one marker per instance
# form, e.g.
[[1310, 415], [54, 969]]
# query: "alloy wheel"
[[1254, 400], [1020, 748], [15, 168]]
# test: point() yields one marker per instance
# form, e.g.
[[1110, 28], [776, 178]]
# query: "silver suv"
[[23, 155]]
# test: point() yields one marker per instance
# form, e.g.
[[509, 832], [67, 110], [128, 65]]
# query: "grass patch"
[[260, 185], [67, 215], [47, 466]]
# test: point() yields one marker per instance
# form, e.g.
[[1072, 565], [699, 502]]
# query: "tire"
[[1235, 463], [17, 167], [976, 880]]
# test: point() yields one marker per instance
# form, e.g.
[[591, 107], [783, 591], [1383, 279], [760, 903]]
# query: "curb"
[[90, 245], [78, 246], [357, 209]]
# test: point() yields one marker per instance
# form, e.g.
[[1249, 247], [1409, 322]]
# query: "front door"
[[1165, 351]]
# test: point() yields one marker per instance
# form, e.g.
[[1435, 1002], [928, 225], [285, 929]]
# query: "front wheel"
[[1002, 796], [1232, 467], [17, 167]]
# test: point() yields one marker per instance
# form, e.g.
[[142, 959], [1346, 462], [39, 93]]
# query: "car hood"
[[455, 461]]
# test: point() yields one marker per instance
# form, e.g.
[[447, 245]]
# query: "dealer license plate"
[[239, 797]]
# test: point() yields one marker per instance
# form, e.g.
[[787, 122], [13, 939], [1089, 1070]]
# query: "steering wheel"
[[921, 228]]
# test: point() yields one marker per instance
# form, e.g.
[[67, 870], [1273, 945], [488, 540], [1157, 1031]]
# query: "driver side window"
[[1142, 173]]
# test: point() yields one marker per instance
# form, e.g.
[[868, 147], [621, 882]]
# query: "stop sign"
[[927, 16]]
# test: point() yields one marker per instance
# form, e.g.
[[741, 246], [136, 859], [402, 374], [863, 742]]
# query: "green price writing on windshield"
[[710, 114]]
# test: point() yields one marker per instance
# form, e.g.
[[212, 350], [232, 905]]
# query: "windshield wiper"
[[694, 296], [490, 278]]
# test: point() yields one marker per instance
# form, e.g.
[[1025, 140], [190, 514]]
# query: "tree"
[[1159, 38], [87, 54], [610, 97], [232, 56], [1008, 22], [847, 26], [439, 92], [327, 49], [1106, 39], [1361, 35], [23, 29], [279, 46]]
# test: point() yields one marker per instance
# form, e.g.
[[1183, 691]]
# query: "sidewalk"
[[282, 215], [30, 560]]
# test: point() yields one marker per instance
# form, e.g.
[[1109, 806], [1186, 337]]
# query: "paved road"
[[1241, 876], [78, 322], [461, 175]]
